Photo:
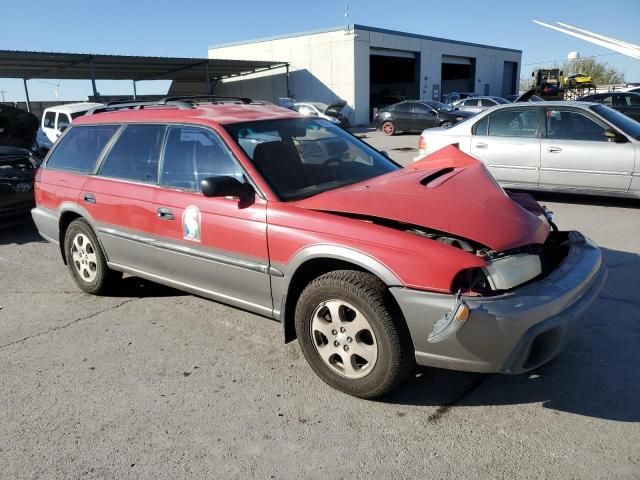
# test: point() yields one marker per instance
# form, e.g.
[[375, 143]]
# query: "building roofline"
[[434, 39], [360, 27]]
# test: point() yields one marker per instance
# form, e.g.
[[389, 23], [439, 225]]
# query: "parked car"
[[627, 102], [371, 266], [416, 115], [577, 80], [19, 160], [56, 120], [478, 104], [449, 98], [520, 98], [559, 146], [331, 112]]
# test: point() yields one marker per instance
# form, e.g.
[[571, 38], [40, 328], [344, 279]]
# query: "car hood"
[[455, 113], [17, 127], [447, 191], [336, 106]]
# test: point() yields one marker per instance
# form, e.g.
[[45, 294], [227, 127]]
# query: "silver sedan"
[[558, 146], [479, 104]]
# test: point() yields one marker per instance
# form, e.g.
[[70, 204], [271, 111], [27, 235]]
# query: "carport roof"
[[22, 64]]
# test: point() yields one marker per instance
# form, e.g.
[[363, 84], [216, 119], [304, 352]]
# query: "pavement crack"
[[73, 322], [443, 409]]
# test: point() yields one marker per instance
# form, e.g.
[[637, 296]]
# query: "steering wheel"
[[325, 169]]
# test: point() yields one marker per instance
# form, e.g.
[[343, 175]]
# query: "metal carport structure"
[[81, 66]]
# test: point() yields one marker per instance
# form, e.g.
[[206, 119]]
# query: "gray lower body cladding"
[[514, 332]]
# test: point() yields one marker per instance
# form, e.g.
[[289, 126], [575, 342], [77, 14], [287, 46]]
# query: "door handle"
[[554, 150], [89, 198], [482, 145], [165, 213]]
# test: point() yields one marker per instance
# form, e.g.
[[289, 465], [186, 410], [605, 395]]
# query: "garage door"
[[457, 74]]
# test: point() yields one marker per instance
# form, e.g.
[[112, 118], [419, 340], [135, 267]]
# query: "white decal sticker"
[[191, 222]]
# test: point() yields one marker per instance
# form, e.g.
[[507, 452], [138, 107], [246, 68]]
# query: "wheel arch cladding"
[[304, 274], [65, 220]]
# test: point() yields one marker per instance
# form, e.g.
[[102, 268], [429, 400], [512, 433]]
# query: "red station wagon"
[[371, 266]]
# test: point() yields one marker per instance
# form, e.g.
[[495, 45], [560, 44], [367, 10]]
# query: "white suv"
[[56, 119]]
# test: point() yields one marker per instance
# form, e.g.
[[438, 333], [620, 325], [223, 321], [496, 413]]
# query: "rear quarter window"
[[80, 148]]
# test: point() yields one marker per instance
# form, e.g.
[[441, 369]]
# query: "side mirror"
[[385, 153], [614, 136], [224, 186]]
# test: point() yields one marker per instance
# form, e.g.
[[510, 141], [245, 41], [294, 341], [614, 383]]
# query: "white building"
[[363, 65]]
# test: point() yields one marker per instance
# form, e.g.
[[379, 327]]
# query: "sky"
[[188, 27]]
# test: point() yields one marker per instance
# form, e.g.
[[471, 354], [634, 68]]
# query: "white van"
[[56, 119]]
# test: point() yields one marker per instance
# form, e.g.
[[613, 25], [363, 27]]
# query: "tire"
[[368, 323], [446, 124], [388, 128], [86, 260]]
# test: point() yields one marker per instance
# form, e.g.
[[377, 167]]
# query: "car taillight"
[[422, 143]]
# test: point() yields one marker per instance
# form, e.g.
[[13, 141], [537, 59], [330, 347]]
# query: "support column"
[[135, 93], [288, 91], [208, 80], [93, 79], [26, 94]]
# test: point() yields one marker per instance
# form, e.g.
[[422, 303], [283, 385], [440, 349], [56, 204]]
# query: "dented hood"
[[447, 191]]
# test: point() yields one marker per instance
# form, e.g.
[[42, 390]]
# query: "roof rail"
[[212, 98], [136, 105], [184, 102]]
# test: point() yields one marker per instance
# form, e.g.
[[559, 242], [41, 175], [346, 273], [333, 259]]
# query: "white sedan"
[[559, 146]]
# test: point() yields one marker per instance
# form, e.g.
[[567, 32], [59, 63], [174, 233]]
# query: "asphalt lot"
[[154, 383]]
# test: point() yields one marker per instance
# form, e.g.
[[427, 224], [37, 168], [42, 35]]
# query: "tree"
[[600, 72]]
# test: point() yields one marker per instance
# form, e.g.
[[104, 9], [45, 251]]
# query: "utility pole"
[[3, 92]]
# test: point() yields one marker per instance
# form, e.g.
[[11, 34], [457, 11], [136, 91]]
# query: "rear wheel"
[[352, 333], [388, 128], [86, 260]]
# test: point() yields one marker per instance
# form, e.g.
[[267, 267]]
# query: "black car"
[[18, 161], [627, 103], [416, 115]]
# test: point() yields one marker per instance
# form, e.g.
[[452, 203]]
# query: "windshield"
[[441, 107], [303, 157], [619, 120]]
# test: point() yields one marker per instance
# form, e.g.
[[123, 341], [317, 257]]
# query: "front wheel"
[[86, 260], [352, 333]]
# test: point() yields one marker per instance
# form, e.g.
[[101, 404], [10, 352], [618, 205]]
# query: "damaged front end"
[[503, 272]]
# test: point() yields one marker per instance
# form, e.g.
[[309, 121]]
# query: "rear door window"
[[136, 154], [514, 122], [80, 148], [402, 108], [49, 120], [192, 154]]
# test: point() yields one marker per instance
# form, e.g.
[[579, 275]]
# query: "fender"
[[281, 284], [66, 207]]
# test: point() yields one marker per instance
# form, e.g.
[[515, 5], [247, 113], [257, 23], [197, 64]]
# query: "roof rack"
[[211, 98], [137, 105], [184, 102]]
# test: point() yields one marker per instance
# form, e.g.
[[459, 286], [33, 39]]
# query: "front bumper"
[[513, 332]]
